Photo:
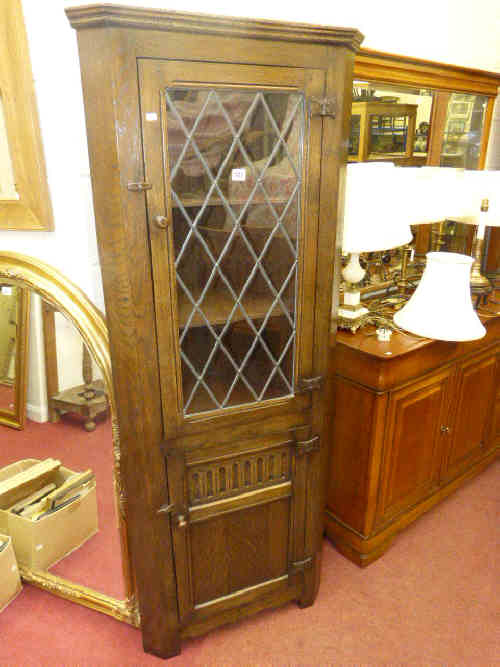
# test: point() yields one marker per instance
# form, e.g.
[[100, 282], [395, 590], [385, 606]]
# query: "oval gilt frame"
[[71, 301]]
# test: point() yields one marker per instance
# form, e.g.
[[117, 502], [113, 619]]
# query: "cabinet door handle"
[[161, 221], [445, 429]]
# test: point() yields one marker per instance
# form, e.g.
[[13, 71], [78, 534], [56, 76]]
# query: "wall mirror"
[[14, 328], [413, 113], [70, 427]]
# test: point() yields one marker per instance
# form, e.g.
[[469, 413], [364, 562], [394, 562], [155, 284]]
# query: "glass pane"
[[354, 134], [389, 132], [235, 174], [8, 346], [462, 133]]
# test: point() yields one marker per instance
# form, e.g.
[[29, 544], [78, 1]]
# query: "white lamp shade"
[[374, 212], [441, 306], [480, 185], [441, 196]]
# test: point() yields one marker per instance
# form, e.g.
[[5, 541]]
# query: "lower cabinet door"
[[475, 396], [413, 446], [239, 526]]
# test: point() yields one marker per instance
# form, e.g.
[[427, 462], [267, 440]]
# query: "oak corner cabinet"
[[408, 422], [216, 149]]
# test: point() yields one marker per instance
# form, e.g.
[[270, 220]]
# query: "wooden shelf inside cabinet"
[[198, 200], [218, 302], [217, 307]]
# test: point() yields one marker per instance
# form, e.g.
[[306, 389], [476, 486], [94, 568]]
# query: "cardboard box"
[[10, 582], [40, 544]]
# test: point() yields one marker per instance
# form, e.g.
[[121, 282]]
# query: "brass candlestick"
[[477, 280]]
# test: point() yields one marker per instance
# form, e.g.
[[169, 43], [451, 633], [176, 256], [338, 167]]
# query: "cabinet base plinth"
[[359, 558], [365, 550]]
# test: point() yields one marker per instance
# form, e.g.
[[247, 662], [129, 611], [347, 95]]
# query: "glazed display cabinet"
[[216, 150], [383, 131]]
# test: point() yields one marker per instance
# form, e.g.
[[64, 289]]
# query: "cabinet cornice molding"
[[99, 16]]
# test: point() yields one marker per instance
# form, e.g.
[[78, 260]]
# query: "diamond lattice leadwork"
[[235, 165]]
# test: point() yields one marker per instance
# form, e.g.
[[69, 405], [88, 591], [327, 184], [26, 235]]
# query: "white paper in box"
[[40, 544]]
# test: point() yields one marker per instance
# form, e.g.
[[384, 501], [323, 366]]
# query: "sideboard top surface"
[[382, 366]]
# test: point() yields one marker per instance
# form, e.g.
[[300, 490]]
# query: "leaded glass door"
[[230, 233]]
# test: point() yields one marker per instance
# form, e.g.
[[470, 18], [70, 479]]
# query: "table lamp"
[[441, 306], [374, 219], [482, 201], [443, 189]]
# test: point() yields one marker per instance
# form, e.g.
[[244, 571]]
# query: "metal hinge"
[[309, 384], [300, 566], [327, 106], [166, 509], [139, 187], [306, 446]]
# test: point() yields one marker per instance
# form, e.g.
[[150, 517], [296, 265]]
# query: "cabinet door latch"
[[309, 384], [300, 566], [306, 446], [327, 106], [179, 514], [139, 187]]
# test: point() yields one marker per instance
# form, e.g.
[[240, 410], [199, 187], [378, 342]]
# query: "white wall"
[[445, 30], [54, 57]]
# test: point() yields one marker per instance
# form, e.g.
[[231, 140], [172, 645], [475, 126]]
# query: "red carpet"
[[97, 563], [433, 599]]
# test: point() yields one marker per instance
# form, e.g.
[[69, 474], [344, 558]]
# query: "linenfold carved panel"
[[239, 474]]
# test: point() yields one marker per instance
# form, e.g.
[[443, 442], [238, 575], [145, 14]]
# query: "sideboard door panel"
[[417, 417], [473, 411]]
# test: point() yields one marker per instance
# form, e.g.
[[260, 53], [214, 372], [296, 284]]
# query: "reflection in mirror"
[[413, 126], [390, 123], [66, 497], [13, 349], [70, 426], [8, 326], [463, 129]]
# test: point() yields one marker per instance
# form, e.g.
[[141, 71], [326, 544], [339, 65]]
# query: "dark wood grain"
[[213, 558]]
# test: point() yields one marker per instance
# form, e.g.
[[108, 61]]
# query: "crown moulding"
[[100, 16]]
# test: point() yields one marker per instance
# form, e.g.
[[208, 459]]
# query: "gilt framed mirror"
[[69, 343], [14, 328], [414, 112]]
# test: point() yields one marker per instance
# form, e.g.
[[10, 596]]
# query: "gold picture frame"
[[32, 209]]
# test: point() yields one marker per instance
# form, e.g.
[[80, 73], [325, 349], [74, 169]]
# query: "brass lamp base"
[[477, 280]]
